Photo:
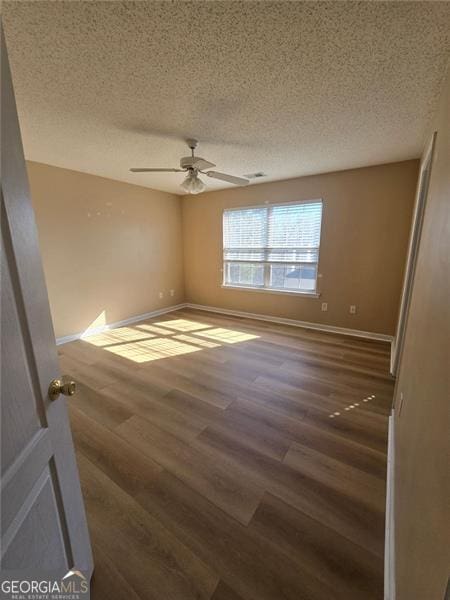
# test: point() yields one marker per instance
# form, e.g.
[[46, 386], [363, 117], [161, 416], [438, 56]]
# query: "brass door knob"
[[64, 386]]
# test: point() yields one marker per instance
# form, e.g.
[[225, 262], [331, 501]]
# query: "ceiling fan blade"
[[157, 170], [201, 164], [228, 178]]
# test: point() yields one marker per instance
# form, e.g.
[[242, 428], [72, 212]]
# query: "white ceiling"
[[288, 88]]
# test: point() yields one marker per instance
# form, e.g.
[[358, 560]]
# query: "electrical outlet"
[[353, 309], [161, 295], [172, 292], [324, 306]]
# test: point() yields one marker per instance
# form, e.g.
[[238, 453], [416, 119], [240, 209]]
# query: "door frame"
[[423, 185]]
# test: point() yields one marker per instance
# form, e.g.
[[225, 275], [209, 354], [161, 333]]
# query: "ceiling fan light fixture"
[[195, 165], [193, 184]]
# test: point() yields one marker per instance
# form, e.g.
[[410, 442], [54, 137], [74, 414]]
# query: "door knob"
[[65, 386]]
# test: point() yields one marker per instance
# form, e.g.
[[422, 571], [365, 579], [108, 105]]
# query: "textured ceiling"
[[288, 88]]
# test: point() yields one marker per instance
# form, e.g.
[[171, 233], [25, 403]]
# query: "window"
[[272, 247]]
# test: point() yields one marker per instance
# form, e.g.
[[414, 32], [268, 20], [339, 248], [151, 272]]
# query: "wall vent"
[[255, 175]]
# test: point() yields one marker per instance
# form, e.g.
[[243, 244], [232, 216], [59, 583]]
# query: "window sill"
[[244, 288]]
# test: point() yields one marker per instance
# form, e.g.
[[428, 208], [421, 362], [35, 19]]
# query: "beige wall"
[[366, 221], [106, 246], [422, 424]]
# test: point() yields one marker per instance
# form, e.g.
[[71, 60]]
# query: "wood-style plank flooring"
[[229, 459]]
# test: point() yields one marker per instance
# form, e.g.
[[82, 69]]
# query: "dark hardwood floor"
[[229, 459]]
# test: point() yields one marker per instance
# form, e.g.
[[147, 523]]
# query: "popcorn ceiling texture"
[[288, 88]]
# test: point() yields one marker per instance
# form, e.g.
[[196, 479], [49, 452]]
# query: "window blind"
[[274, 246]]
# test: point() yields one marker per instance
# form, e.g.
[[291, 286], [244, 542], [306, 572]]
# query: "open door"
[[43, 523]]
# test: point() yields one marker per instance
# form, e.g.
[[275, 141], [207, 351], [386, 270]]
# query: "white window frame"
[[266, 263]]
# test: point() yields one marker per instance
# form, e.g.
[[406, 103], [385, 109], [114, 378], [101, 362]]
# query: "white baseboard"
[[305, 324], [389, 540], [149, 315]]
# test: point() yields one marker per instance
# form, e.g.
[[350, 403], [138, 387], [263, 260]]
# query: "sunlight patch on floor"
[[146, 342], [149, 350], [193, 340], [227, 335], [352, 406], [183, 325], [115, 336]]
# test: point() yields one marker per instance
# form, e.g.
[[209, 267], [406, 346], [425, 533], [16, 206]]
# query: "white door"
[[43, 523]]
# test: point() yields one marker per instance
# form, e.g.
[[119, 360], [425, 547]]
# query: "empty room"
[[225, 298]]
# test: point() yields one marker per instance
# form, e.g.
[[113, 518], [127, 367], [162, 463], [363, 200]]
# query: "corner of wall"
[[182, 200]]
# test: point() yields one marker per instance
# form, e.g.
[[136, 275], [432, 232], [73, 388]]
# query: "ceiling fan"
[[193, 165]]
